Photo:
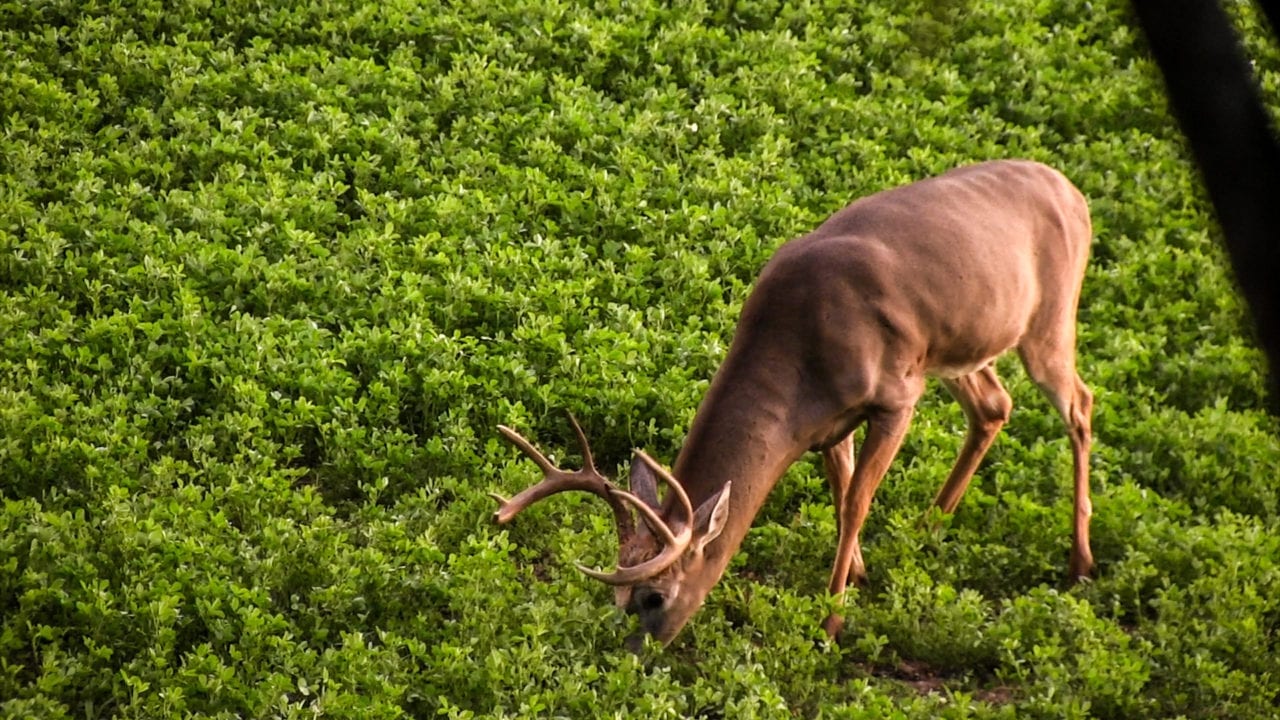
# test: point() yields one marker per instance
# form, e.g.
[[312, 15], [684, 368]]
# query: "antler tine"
[[674, 544], [674, 547], [528, 449], [588, 479], [650, 516], [556, 480], [588, 464], [633, 574], [672, 483]]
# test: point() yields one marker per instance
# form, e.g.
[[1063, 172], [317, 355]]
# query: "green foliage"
[[270, 274]]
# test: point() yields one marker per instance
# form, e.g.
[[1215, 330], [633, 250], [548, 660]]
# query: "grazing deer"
[[938, 278]]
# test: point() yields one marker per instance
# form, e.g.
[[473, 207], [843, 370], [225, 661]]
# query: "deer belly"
[[955, 370]]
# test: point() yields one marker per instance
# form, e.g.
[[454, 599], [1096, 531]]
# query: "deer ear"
[[644, 484], [710, 518]]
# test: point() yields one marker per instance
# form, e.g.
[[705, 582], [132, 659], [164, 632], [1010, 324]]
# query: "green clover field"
[[273, 271]]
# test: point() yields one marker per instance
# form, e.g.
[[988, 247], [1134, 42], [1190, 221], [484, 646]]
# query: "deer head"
[[660, 559]]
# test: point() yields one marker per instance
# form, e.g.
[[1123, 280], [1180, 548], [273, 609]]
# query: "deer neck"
[[745, 433]]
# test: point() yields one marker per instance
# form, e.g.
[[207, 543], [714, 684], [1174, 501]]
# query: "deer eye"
[[651, 600]]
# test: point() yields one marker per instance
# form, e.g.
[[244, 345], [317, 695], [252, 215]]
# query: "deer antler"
[[555, 480], [588, 479], [674, 544]]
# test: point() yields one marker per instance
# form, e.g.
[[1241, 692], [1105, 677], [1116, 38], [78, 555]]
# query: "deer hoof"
[[1080, 571], [832, 625]]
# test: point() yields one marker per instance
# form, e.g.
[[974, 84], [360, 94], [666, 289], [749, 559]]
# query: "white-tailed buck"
[[937, 278]]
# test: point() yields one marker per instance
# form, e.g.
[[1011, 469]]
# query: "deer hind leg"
[[885, 431], [837, 461], [986, 406], [1053, 370]]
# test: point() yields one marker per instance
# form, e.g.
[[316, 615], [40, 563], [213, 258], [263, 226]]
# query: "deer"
[[937, 278]]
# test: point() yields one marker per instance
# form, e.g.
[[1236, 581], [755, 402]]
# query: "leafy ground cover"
[[272, 272]]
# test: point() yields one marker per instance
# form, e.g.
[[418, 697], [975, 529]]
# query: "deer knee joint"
[[995, 410]]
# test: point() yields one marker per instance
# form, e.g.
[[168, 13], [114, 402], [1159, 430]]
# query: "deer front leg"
[[885, 431]]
